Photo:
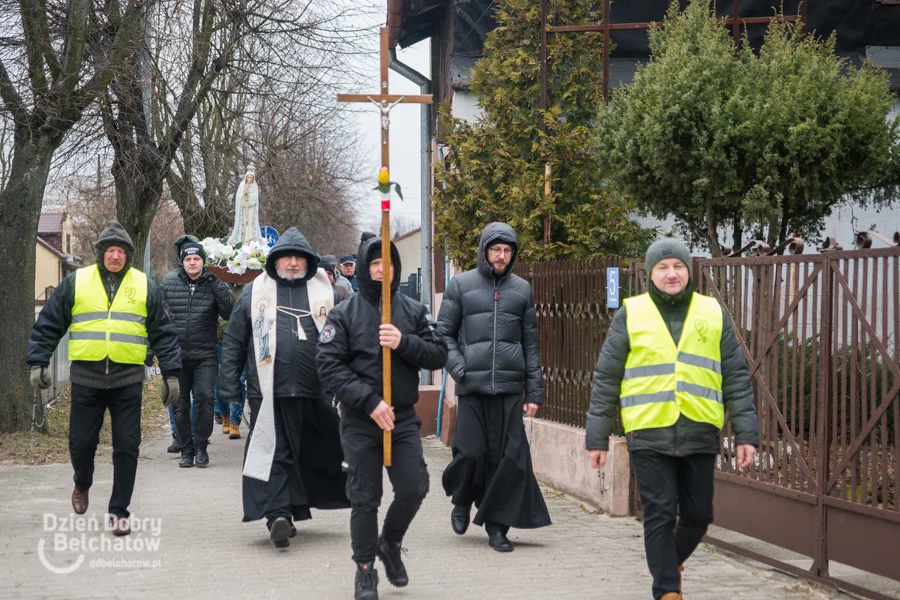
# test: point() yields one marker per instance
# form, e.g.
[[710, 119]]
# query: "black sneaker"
[[173, 447], [202, 458], [187, 459], [279, 532], [218, 419], [389, 553], [366, 587]]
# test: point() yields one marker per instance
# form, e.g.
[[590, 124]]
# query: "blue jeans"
[[236, 410]]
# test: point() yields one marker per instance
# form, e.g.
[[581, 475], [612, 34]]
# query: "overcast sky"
[[405, 154]]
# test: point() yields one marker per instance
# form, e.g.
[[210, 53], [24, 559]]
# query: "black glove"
[[170, 390], [40, 377]]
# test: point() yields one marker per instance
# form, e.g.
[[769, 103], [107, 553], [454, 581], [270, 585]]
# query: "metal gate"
[[819, 334]]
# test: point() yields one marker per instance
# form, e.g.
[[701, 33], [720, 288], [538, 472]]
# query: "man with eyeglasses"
[[488, 319]]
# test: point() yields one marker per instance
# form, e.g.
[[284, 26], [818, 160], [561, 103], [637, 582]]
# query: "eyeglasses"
[[500, 251]]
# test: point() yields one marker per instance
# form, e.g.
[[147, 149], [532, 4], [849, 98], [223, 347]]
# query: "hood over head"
[[114, 235], [493, 233], [292, 242], [371, 250]]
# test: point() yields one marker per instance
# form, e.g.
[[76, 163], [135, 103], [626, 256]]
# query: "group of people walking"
[[304, 343]]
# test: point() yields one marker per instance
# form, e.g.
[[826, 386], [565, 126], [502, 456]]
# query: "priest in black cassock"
[[487, 318], [292, 460]]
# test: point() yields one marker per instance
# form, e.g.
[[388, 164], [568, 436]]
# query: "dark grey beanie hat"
[[667, 248]]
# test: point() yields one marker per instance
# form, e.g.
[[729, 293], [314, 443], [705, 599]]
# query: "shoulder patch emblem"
[[327, 334]]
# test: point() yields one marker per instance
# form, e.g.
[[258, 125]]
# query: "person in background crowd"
[[196, 299]]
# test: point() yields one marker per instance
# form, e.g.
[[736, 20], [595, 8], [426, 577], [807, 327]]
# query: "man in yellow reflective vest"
[[673, 366], [112, 312]]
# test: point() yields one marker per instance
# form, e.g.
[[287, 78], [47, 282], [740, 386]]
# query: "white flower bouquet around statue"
[[235, 263]]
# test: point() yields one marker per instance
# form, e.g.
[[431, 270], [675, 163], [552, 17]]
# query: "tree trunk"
[[738, 237], [138, 174], [213, 219], [20, 209], [712, 233]]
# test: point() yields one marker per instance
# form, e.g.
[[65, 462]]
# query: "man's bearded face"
[[291, 268]]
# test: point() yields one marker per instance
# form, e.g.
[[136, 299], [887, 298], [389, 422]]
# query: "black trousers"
[[673, 487], [199, 377], [85, 420], [362, 441]]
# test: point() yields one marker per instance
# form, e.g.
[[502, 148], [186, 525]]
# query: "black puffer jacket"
[[349, 352], [490, 327], [195, 307], [295, 360], [685, 436], [56, 317]]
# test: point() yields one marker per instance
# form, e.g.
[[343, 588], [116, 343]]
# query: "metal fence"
[[412, 287], [818, 332], [59, 362], [570, 300]]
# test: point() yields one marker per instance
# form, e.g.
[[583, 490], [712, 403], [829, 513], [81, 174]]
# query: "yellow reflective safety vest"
[[101, 330], [662, 380]]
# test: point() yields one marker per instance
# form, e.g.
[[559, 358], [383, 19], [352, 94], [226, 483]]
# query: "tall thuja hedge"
[[494, 170]]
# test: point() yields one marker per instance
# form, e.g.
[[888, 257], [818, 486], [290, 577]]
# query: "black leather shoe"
[[173, 447], [459, 519], [202, 458], [187, 459], [389, 553], [499, 542], [366, 586], [279, 532], [293, 531]]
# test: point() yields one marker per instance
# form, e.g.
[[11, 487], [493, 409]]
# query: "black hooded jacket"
[[295, 360], [56, 317], [490, 326], [350, 356], [195, 307]]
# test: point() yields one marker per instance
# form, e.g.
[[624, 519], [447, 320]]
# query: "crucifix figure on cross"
[[385, 109], [385, 102]]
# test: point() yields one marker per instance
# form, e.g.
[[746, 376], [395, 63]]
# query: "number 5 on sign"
[[612, 287]]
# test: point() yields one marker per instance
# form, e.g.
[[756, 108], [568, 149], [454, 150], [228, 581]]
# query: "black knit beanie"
[[191, 248]]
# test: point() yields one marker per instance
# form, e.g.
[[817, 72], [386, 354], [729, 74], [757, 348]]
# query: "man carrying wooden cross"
[[350, 364], [409, 331]]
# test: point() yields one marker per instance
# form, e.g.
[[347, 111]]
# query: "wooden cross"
[[385, 102]]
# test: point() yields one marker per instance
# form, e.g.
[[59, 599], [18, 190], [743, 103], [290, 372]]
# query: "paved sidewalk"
[[206, 552]]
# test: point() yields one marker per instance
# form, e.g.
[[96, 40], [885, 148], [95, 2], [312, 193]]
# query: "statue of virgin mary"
[[246, 211]]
